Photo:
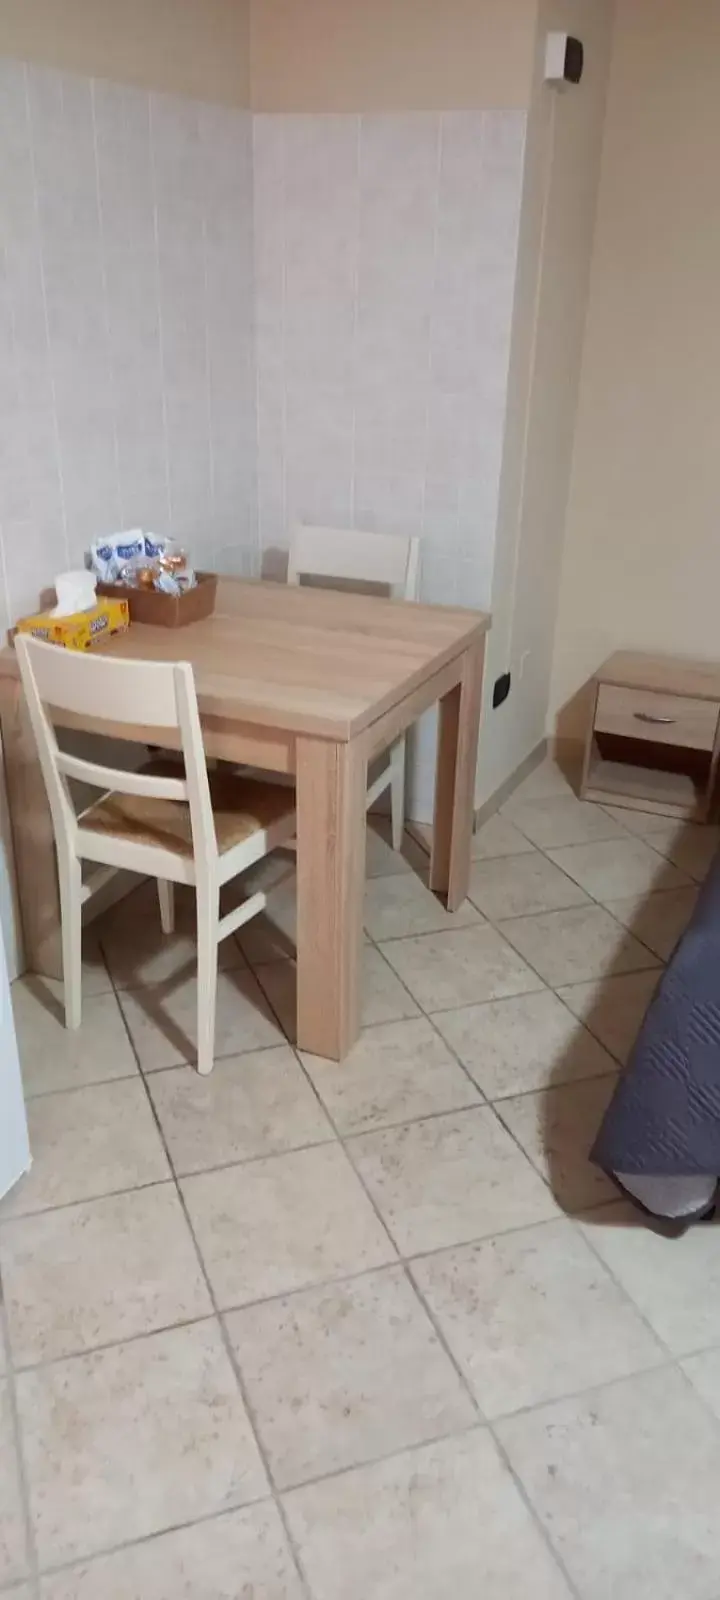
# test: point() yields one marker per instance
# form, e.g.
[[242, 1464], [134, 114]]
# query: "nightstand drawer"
[[662, 718]]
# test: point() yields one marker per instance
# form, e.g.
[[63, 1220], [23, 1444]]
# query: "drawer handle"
[[647, 716]]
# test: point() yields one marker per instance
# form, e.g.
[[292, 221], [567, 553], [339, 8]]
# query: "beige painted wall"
[[398, 55], [641, 566], [194, 47], [565, 130]]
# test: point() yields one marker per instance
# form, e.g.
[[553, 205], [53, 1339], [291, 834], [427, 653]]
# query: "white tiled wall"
[[216, 324], [127, 375], [385, 256]]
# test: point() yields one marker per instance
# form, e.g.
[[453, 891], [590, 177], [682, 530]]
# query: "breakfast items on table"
[[138, 560]]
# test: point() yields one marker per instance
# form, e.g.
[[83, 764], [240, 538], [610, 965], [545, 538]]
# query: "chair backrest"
[[354, 557], [152, 694]]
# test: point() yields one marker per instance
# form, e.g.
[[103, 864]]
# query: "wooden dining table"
[[309, 683]]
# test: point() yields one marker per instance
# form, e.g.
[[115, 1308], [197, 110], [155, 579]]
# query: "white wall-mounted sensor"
[[564, 58]]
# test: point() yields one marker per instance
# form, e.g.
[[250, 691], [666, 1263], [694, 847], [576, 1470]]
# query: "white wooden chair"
[[352, 558], [192, 828]]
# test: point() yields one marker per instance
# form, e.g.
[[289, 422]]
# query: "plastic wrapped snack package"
[[140, 560], [109, 555]]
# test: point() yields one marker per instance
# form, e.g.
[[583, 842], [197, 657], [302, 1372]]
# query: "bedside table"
[[654, 740]]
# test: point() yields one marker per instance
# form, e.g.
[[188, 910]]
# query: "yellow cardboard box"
[[82, 629]]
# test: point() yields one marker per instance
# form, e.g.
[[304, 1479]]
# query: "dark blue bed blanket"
[[664, 1117]]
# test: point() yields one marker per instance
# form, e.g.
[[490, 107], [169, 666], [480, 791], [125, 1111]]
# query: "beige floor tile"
[[134, 1440], [617, 867], [99, 1272], [704, 1374], [383, 999], [612, 1008], [689, 846], [527, 1042], [395, 1073], [674, 1282], [574, 946], [396, 907], [625, 1480], [532, 1316], [547, 780], [250, 1105], [87, 1143], [520, 886], [284, 1223], [163, 1024], [692, 849], [562, 819], [13, 1554], [242, 1555], [499, 837], [448, 1180], [444, 1520], [557, 1128], [55, 1057], [344, 1374], [138, 952], [657, 920], [444, 970]]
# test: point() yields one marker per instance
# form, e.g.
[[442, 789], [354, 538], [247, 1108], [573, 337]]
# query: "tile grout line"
[[475, 1426], [535, 1519], [229, 1350], [490, 1105], [342, 1139], [672, 1358], [535, 1515], [10, 1379], [399, 1261], [90, 1199], [434, 1325], [144, 1539], [147, 1072]]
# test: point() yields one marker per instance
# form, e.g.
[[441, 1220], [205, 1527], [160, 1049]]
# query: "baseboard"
[[421, 832], [489, 807]]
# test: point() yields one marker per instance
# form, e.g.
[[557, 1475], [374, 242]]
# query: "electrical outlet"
[[501, 690]]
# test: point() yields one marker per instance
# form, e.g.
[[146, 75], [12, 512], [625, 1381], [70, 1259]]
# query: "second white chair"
[[189, 827], [356, 559]]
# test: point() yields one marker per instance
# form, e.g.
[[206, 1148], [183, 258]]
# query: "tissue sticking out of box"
[[75, 591]]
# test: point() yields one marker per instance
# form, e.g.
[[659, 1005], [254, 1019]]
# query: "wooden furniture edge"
[[636, 678]]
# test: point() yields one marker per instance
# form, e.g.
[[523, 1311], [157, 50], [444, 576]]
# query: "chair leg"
[[208, 915], [397, 793], [70, 879], [166, 896]]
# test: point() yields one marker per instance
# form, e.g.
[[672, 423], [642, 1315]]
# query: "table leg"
[[33, 837], [331, 785], [455, 781]]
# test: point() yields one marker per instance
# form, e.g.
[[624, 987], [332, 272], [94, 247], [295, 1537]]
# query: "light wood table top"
[[310, 683], [303, 660]]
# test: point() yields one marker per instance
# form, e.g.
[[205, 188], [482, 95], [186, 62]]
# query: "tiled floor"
[[378, 1332]]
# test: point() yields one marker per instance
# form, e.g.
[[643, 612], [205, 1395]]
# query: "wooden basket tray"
[[167, 610]]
